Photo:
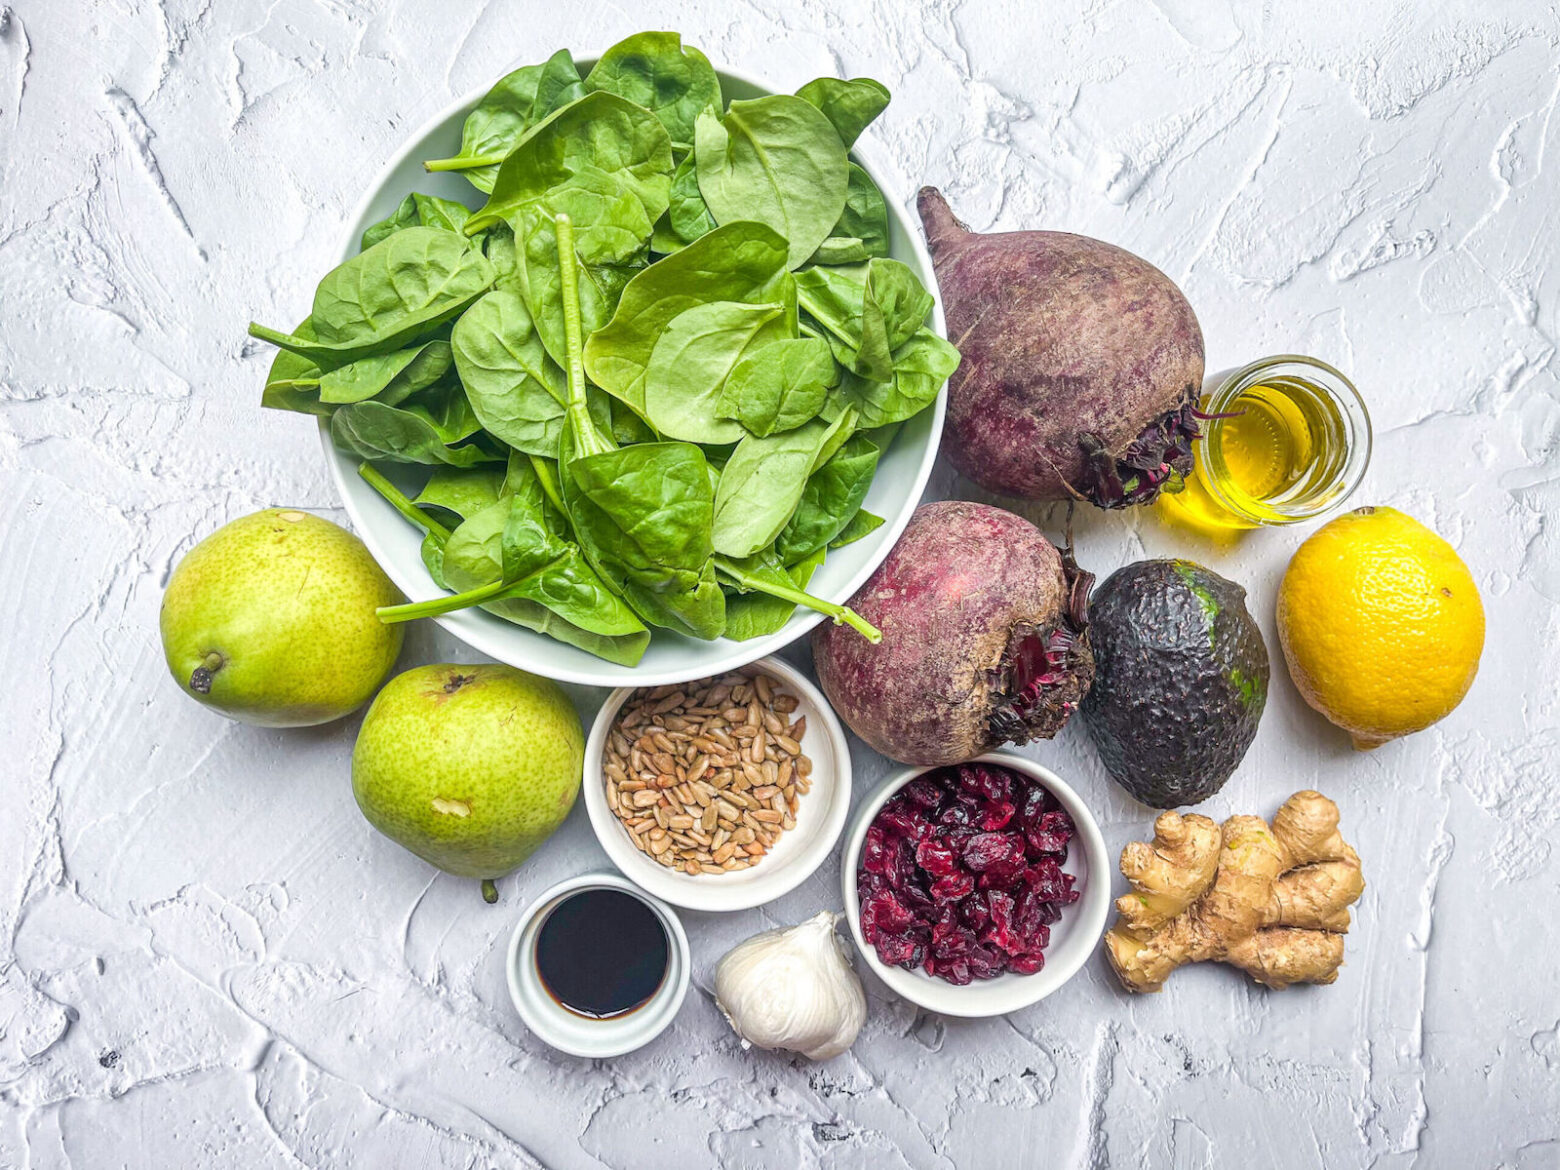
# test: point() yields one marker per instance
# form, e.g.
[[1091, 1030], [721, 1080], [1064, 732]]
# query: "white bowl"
[[901, 477], [579, 1035], [1072, 939], [800, 851]]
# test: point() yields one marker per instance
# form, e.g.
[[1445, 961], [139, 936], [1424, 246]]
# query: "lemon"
[[1381, 625]]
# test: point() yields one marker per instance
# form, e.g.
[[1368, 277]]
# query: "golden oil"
[[1285, 439]]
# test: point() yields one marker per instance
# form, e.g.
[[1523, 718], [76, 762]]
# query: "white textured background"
[[207, 958]]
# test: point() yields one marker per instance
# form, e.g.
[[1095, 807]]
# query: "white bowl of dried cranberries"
[[975, 889]]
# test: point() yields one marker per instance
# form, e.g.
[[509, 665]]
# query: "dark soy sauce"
[[601, 953]]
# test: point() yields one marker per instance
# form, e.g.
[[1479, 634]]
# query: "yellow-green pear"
[[270, 620], [469, 767]]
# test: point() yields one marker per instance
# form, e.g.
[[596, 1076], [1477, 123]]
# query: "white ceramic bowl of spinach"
[[902, 470]]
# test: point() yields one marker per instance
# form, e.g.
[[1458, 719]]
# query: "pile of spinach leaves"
[[652, 374]]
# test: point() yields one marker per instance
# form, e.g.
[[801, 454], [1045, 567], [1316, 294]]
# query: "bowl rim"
[[1008, 992], [619, 1035], [708, 892], [486, 633]]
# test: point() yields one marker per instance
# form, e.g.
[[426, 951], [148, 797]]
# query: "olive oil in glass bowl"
[[1284, 439]]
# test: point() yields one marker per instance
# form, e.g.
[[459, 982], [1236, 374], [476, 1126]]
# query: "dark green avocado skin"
[[1181, 677]]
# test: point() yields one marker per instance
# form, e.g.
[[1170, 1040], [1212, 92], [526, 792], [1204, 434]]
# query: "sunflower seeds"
[[706, 776]]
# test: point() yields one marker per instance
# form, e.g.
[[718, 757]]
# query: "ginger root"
[[1272, 901]]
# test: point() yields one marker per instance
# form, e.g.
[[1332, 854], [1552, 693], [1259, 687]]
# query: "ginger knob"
[[1271, 900]]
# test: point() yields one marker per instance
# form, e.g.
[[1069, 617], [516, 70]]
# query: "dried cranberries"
[[961, 874]]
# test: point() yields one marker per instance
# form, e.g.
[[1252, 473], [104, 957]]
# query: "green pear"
[[271, 620], [469, 767]]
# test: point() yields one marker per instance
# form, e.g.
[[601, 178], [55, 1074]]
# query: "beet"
[[1082, 364], [985, 641]]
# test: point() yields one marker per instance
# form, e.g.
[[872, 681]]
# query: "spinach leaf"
[[778, 386], [688, 215], [402, 288], [404, 216], [435, 212], [420, 434], [418, 210], [862, 230], [624, 649], [389, 377], [867, 310], [611, 224], [896, 303], [461, 492], [492, 539], [862, 524], [656, 70], [447, 410], [515, 389], [737, 262], [776, 160], [663, 240], [627, 427], [830, 500], [642, 514], [547, 590], [763, 573], [519, 101], [851, 106], [417, 276], [691, 361], [600, 142], [539, 281], [549, 568], [762, 484], [757, 615], [920, 367], [498, 245], [510, 543], [292, 382]]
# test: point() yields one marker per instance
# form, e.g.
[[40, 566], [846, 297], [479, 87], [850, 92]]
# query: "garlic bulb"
[[793, 989]]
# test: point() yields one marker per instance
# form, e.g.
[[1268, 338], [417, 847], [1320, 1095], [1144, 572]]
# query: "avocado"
[[1181, 676]]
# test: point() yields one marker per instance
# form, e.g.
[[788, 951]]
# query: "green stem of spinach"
[[400, 503], [463, 162], [412, 610], [750, 583], [588, 439], [547, 475], [266, 333]]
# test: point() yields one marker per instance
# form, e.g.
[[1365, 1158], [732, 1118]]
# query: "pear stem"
[[200, 677], [489, 891]]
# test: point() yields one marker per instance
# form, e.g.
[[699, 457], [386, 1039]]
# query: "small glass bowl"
[[1349, 437]]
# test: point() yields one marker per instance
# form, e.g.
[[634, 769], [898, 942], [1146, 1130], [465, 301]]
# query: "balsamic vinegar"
[[602, 953]]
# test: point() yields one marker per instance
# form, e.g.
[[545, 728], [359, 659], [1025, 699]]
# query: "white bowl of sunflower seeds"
[[721, 793]]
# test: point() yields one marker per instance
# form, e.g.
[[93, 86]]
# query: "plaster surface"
[[208, 958]]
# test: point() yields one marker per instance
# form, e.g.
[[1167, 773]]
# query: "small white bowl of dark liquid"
[[597, 967]]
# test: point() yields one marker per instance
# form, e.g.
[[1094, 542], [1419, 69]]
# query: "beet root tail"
[[942, 227]]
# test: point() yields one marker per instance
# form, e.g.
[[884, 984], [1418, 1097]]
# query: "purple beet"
[[984, 639], [1082, 364]]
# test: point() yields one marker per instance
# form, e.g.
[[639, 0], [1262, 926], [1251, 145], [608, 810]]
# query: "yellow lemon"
[[1381, 625]]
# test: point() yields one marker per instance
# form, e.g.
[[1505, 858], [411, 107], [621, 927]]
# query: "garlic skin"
[[794, 989]]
